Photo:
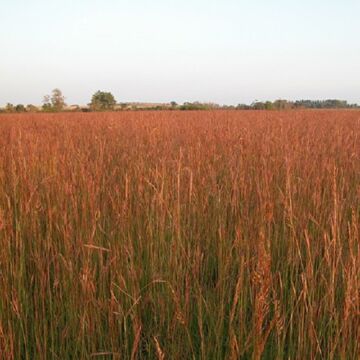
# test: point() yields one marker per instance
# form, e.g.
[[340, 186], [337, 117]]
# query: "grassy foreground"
[[180, 235]]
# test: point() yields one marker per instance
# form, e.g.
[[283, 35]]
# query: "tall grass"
[[168, 235]]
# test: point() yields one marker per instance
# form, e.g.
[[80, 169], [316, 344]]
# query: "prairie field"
[[180, 235]]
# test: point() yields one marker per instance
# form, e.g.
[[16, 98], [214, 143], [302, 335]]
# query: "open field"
[[180, 235]]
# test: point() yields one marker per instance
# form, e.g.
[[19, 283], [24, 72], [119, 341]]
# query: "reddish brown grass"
[[177, 235]]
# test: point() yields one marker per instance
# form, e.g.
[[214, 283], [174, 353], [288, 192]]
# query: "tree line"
[[100, 101], [298, 104], [105, 101]]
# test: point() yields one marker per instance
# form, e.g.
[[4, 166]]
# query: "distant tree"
[[20, 108], [198, 106], [323, 104], [269, 105], [243, 107], [57, 100], [102, 100], [123, 106], [31, 108], [47, 106], [282, 104], [258, 105], [9, 108], [173, 104]]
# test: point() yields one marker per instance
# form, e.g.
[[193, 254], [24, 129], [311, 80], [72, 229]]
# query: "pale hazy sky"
[[227, 51]]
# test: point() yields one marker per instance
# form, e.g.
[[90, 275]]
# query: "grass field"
[[180, 235]]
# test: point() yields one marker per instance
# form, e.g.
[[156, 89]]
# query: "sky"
[[223, 51]]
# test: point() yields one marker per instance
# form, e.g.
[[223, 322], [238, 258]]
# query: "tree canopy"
[[54, 102], [102, 100]]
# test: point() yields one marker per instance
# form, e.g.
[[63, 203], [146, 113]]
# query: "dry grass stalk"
[[159, 352]]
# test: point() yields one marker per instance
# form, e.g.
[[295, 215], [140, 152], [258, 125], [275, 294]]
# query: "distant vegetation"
[[102, 101], [105, 101], [298, 104], [54, 102]]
